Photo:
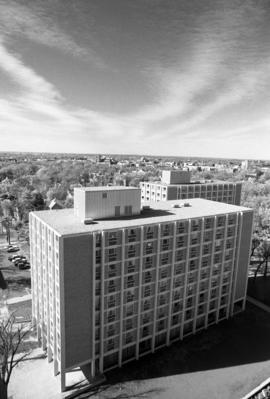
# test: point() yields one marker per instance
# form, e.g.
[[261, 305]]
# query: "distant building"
[[112, 282], [244, 164], [176, 184]]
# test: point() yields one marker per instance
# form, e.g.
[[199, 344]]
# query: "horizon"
[[134, 154], [144, 77]]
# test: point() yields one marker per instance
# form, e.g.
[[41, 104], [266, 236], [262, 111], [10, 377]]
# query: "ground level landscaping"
[[224, 362], [259, 289]]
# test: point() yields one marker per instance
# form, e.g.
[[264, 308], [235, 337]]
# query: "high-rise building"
[[177, 184], [112, 282]]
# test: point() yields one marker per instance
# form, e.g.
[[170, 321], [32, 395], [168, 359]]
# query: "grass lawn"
[[260, 289], [22, 311]]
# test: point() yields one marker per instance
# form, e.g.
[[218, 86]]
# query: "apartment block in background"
[[108, 290], [177, 184]]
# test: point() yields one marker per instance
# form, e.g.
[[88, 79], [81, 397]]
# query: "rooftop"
[[64, 222], [106, 188]]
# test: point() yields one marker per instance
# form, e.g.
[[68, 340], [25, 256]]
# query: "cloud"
[[39, 26], [217, 72]]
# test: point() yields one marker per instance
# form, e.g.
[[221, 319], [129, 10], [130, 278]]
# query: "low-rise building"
[[178, 185]]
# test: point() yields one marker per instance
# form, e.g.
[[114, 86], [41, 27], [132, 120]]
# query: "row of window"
[[133, 234]]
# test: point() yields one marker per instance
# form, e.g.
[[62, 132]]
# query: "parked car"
[[21, 262], [13, 257], [17, 257], [24, 266], [13, 248]]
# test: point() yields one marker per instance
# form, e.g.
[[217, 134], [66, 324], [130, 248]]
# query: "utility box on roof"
[[106, 202], [175, 176]]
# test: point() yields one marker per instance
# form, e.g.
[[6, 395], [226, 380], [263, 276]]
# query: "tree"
[[11, 342], [6, 222], [264, 252], [255, 243]]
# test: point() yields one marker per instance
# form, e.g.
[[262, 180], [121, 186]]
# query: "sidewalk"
[[19, 299], [259, 304]]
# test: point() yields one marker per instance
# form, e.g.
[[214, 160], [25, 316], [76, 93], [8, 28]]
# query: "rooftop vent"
[[186, 204], [89, 221], [146, 207]]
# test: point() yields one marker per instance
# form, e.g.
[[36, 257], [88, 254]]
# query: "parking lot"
[[18, 280]]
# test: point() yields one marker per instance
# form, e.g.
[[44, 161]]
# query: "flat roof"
[[106, 188], [161, 183], [64, 222]]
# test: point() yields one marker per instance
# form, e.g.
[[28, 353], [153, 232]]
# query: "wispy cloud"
[[222, 69], [38, 26]]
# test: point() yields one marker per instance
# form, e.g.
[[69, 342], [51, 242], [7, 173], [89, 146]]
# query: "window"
[[165, 259], [98, 256], [147, 291], [149, 233], [131, 251], [104, 195], [162, 300], [145, 331], [111, 301], [110, 344], [128, 210], [162, 286], [111, 287], [147, 277], [131, 235], [129, 310], [111, 316], [148, 262], [164, 273], [129, 324], [131, 267], [112, 270], [149, 248], [146, 305], [110, 331], [112, 255], [112, 239], [165, 230], [130, 281], [165, 245], [130, 296], [129, 337]]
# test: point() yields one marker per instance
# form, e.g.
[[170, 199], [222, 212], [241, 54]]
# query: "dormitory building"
[[113, 281], [177, 184]]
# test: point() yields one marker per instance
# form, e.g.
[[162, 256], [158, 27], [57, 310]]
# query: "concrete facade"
[[215, 191], [111, 292]]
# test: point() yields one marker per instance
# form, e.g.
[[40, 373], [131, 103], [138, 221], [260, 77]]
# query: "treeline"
[[29, 186]]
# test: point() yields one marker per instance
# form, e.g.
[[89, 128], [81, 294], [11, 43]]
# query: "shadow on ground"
[[259, 289], [241, 340]]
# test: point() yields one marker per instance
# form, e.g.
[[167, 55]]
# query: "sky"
[[161, 77]]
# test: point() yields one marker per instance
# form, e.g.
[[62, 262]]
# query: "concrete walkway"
[[259, 304], [19, 299]]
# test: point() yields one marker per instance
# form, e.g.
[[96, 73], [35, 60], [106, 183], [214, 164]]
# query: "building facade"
[[110, 292], [177, 185]]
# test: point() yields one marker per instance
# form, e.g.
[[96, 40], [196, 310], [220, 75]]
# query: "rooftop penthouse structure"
[[177, 184], [112, 281]]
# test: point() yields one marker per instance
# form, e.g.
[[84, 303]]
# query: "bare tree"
[[11, 342], [264, 253], [6, 225], [255, 243]]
